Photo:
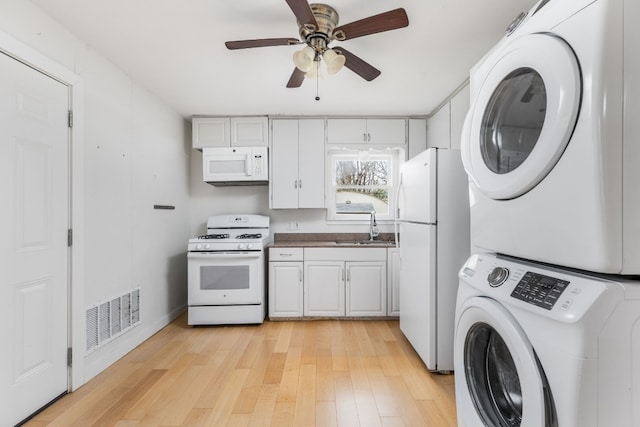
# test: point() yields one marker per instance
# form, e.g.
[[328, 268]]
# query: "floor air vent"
[[109, 319]]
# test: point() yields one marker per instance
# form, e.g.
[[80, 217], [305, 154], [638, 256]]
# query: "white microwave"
[[235, 165]]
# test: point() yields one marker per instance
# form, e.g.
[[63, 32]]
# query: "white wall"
[[136, 154]]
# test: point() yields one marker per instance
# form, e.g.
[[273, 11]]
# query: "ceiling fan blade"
[[303, 13], [296, 79], [386, 21], [358, 66], [244, 44]]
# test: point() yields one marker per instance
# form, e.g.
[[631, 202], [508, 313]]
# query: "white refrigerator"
[[433, 221]]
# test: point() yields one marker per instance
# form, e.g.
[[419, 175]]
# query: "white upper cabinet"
[[439, 128], [210, 132], [297, 164], [417, 136], [459, 109], [249, 132], [367, 131], [229, 132], [444, 127]]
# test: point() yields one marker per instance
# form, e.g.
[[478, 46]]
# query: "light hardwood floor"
[[302, 373]]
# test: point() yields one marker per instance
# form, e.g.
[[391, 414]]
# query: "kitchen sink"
[[366, 242]]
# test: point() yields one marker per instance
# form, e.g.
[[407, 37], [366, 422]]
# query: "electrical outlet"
[[293, 225]]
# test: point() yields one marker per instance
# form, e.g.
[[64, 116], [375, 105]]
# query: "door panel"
[[34, 287], [284, 160], [324, 288], [311, 163], [418, 315], [531, 97]]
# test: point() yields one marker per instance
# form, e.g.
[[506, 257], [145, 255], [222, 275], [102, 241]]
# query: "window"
[[361, 182]]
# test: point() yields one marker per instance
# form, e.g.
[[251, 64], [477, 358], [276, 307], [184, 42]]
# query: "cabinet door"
[[459, 109], [387, 131], [285, 289], [284, 164], [417, 136], [346, 131], [210, 132], [324, 288], [366, 289], [393, 282], [249, 132], [311, 157], [438, 128]]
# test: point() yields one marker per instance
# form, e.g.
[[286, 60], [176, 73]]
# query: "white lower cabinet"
[[324, 288], [366, 288], [328, 282], [285, 282], [345, 282]]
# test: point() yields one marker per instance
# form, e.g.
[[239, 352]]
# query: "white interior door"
[[34, 183]]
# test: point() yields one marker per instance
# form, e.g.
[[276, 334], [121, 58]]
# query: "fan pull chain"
[[317, 80]]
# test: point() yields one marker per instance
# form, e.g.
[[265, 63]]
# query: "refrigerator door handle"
[[397, 211]]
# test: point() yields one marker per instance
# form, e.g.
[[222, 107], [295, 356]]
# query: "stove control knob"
[[241, 246], [207, 246], [198, 247], [498, 276], [249, 246]]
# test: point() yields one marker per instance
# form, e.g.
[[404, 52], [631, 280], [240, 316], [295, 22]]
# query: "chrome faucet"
[[373, 226]]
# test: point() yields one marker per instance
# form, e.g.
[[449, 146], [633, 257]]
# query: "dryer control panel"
[[540, 290]]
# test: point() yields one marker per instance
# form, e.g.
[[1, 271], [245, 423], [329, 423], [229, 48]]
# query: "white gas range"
[[226, 271]]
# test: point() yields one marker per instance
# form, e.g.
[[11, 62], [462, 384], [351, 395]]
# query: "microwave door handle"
[[249, 164]]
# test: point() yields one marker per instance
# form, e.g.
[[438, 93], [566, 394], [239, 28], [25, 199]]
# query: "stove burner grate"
[[249, 236], [214, 236]]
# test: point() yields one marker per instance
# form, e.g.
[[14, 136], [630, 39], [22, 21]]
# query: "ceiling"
[[175, 48]]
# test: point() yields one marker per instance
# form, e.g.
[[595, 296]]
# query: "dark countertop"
[[332, 240]]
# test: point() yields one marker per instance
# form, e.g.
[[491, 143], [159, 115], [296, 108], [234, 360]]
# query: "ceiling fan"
[[318, 26]]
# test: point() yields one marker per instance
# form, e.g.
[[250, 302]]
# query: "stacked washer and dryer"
[[548, 308]]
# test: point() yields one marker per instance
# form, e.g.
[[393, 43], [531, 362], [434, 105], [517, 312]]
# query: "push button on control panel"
[[540, 290]]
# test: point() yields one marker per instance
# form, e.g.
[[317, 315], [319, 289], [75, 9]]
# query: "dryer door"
[[499, 381], [523, 115]]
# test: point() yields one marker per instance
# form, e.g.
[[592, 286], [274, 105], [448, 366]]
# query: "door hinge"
[[70, 119], [69, 356], [69, 237]]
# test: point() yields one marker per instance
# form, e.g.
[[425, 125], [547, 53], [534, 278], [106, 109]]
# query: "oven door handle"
[[223, 255]]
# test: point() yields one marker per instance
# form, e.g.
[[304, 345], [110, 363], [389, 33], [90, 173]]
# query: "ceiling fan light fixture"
[[315, 72], [304, 59], [334, 61]]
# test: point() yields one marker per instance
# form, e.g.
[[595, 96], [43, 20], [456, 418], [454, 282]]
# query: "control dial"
[[498, 276]]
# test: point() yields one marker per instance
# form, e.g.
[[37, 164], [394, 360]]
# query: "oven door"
[[225, 278]]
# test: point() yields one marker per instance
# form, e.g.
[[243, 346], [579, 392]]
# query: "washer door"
[[499, 380], [523, 116]]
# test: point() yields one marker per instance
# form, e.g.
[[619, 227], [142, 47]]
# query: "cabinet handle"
[[299, 183], [368, 137], [285, 254], [295, 184], [342, 274], [300, 275], [364, 137], [348, 274]]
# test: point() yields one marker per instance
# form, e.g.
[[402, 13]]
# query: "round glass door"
[[523, 115], [513, 120], [492, 377], [499, 380]]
